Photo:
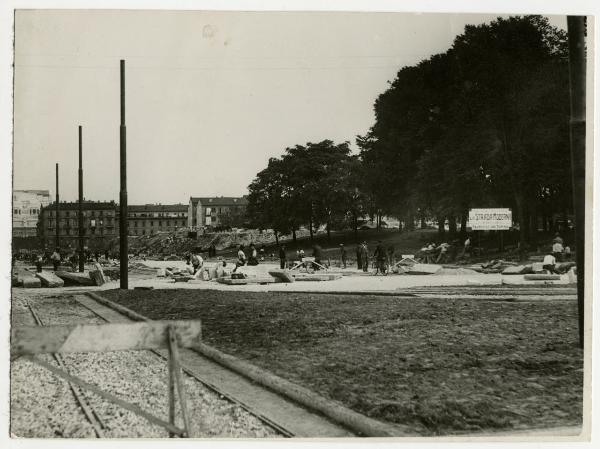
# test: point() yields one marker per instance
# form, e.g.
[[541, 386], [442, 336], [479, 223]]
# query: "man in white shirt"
[[549, 263], [241, 258], [197, 262], [558, 250]]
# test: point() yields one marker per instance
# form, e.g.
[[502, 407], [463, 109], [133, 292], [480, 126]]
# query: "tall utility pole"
[[124, 258], [577, 67], [80, 214], [57, 241]]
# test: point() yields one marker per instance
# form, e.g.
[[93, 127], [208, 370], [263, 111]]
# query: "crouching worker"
[[549, 264], [197, 263], [241, 258]]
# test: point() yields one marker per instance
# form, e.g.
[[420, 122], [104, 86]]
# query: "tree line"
[[484, 124]]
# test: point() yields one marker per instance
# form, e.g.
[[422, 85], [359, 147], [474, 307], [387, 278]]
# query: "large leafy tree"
[[306, 186], [484, 124]]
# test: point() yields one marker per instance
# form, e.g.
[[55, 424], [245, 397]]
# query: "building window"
[[160, 224], [143, 231], [151, 223]]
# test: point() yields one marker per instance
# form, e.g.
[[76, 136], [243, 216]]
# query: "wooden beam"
[[175, 370], [102, 337]]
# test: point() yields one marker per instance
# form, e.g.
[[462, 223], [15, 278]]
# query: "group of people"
[[250, 259], [444, 252], [317, 254], [560, 253], [383, 257], [58, 258]]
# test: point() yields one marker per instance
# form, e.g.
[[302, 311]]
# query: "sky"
[[210, 96]]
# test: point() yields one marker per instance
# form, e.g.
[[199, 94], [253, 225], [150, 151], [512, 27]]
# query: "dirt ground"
[[440, 366]]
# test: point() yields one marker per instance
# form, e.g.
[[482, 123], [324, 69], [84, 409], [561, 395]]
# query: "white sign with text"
[[490, 219]]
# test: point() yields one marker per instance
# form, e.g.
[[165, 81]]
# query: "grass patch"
[[441, 367]]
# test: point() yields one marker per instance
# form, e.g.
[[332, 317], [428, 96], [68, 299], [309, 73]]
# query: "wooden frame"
[[28, 341]]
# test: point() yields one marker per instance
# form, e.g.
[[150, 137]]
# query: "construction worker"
[[391, 257], [364, 255], [282, 257], [241, 258], [343, 255], [380, 257], [197, 262], [55, 258]]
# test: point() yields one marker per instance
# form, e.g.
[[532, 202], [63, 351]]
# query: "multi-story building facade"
[[26, 210], [149, 219], [214, 211], [100, 224]]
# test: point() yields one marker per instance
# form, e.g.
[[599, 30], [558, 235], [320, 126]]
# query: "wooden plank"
[[102, 337], [171, 393], [77, 392], [175, 368]]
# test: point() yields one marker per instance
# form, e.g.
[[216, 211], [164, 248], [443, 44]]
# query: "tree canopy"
[[484, 124]]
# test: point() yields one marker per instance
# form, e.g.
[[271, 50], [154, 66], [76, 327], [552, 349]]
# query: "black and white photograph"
[[268, 224]]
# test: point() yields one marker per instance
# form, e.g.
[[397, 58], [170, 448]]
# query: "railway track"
[[88, 410]]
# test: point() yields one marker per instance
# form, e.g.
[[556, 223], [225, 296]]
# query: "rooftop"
[[35, 192], [220, 200], [157, 208], [87, 205]]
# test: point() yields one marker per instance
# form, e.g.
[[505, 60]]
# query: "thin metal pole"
[[57, 240], [124, 259], [577, 67], [80, 212]]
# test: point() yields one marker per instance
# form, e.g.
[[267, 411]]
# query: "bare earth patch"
[[439, 366]]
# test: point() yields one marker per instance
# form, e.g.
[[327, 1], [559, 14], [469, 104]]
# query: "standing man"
[[379, 256], [55, 258], [343, 254], [364, 255], [391, 257], [358, 256], [282, 257]]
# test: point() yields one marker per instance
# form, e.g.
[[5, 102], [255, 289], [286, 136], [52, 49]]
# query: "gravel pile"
[[42, 405]]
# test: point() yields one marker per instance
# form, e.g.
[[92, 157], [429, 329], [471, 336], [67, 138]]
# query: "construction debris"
[[74, 278], [49, 279], [423, 268], [282, 275]]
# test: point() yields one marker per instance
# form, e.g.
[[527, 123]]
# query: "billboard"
[[490, 219]]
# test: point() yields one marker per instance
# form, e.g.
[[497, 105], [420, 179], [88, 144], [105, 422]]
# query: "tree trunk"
[[328, 232], [356, 228], [277, 238], [533, 223], [521, 220], [294, 235], [463, 224], [441, 228], [410, 221], [423, 224], [310, 228], [452, 225]]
